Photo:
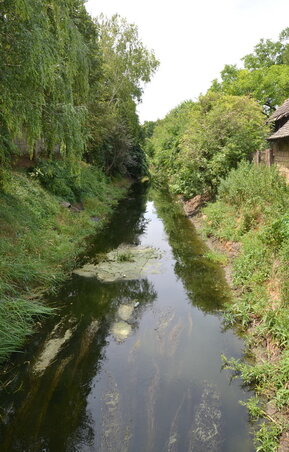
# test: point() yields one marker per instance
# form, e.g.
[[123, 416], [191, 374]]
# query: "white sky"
[[194, 39]]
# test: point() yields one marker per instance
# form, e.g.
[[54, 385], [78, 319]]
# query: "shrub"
[[253, 186]]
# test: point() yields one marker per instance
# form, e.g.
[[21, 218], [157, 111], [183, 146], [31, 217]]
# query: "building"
[[279, 140]]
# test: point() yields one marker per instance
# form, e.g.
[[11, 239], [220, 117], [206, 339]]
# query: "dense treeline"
[[72, 83], [198, 143]]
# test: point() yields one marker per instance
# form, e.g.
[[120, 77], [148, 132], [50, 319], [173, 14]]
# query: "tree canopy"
[[198, 143], [126, 66], [69, 81], [265, 75]]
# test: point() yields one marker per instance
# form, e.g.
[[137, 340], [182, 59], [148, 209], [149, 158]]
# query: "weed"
[[267, 438], [16, 322], [125, 256]]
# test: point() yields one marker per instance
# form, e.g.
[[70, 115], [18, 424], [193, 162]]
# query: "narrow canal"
[[133, 364]]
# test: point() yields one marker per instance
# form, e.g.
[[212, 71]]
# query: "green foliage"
[[44, 75], [74, 184], [252, 185], [268, 53], [197, 144], [264, 377], [163, 145], [268, 85], [252, 266], [220, 221], [59, 178], [265, 76], [253, 406], [74, 84], [217, 257], [267, 438], [125, 256], [115, 133], [16, 322]]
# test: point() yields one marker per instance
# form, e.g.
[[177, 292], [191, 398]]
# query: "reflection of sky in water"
[[161, 386]]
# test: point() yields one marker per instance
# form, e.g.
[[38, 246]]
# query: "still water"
[[161, 386]]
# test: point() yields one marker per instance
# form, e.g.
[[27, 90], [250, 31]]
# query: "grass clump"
[[40, 241], [252, 208], [125, 256], [17, 318]]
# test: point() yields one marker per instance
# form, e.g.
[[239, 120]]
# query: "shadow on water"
[[79, 387]]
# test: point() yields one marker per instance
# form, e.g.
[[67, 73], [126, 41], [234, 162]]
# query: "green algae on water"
[[124, 263]]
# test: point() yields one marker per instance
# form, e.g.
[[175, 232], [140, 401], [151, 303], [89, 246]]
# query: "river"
[[161, 386]]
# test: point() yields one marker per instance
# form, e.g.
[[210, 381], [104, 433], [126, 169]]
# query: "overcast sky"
[[193, 40]]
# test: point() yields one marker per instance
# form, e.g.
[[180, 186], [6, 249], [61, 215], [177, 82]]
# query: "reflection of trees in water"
[[204, 281], [59, 396], [127, 222]]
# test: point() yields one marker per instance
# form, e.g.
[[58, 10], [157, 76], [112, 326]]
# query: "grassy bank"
[[252, 209], [40, 239]]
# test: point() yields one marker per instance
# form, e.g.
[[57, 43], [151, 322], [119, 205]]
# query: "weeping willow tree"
[[44, 70], [70, 83]]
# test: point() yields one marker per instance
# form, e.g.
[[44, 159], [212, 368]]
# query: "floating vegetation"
[[152, 393], [206, 434], [174, 337], [115, 433], [125, 262]]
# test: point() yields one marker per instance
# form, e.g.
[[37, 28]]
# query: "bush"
[[70, 183], [253, 186]]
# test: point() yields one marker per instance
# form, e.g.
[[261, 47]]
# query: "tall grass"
[[17, 318]]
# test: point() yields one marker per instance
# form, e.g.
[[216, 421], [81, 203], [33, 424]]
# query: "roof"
[[283, 132], [281, 112]]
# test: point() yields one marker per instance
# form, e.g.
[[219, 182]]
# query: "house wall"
[[265, 157], [281, 152]]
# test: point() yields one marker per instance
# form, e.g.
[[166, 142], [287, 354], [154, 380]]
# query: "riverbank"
[[41, 236], [142, 354], [247, 229]]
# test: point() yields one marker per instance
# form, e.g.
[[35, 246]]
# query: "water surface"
[[160, 389]]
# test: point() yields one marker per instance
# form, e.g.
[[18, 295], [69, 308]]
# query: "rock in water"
[[121, 331], [125, 312]]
